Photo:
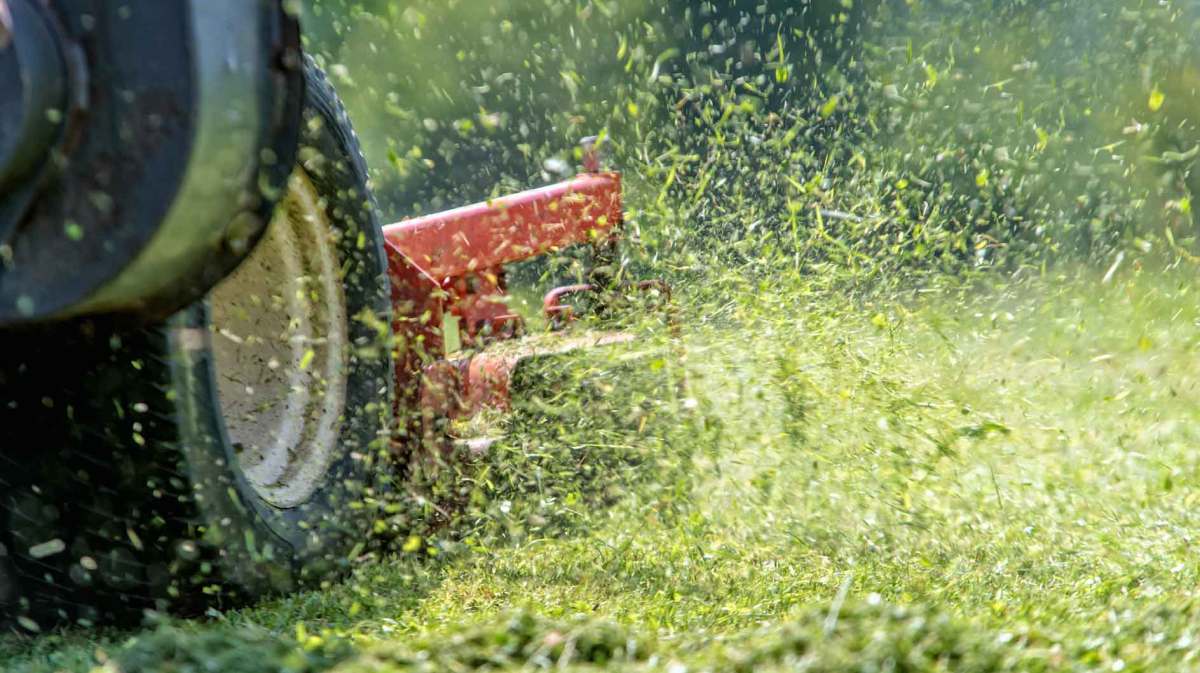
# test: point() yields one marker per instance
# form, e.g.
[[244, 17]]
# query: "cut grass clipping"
[[933, 405], [983, 480]]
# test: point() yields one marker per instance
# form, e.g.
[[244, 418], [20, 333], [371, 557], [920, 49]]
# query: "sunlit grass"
[[1017, 464], [892, 452]]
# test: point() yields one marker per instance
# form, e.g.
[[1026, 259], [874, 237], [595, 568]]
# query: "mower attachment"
[[465, 250], [451, 266]]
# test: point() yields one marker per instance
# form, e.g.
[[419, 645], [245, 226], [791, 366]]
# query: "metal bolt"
[[6, 25]]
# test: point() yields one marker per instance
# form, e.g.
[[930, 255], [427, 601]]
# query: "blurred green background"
[[861, 140], [458, 98]]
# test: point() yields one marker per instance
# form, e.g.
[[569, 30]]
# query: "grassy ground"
[[985, 480]]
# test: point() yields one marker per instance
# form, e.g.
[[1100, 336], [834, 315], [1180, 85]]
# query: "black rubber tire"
[[147, 111], [119, 491]]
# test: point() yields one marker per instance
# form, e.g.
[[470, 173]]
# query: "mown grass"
[[861, 474], [968, 479]]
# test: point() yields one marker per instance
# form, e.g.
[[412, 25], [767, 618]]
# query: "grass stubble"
[[968, 480], [890, 454]]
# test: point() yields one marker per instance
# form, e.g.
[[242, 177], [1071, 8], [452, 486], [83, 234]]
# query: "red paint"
[[488, 235], [464, 387], [557, 312], [464, 250], [452, 263]]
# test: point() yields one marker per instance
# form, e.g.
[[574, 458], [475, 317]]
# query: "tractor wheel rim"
[[280, 351]]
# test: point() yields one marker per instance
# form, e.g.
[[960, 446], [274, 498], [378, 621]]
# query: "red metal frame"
[[452, 263], [489, 235], [464, 250]]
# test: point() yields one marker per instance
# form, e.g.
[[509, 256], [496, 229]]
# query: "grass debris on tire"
[[217, 457]]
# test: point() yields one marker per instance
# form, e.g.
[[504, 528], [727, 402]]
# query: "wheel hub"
[[280, 351]]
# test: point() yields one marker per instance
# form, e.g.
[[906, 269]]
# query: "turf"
[[982, 479]]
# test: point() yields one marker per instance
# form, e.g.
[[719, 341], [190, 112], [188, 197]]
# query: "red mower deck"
[[451, 265]]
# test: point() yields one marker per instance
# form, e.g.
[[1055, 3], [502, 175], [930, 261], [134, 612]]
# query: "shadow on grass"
[[584, 435]]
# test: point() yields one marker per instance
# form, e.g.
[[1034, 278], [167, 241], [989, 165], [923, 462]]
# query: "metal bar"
[[464, 387], [512, 228], [418, 302], [555, 310]]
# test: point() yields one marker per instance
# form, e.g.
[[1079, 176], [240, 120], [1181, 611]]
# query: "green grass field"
[[1000, 478]]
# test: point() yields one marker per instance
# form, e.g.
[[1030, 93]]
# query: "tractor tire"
[[178, 129], [225, 454]]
